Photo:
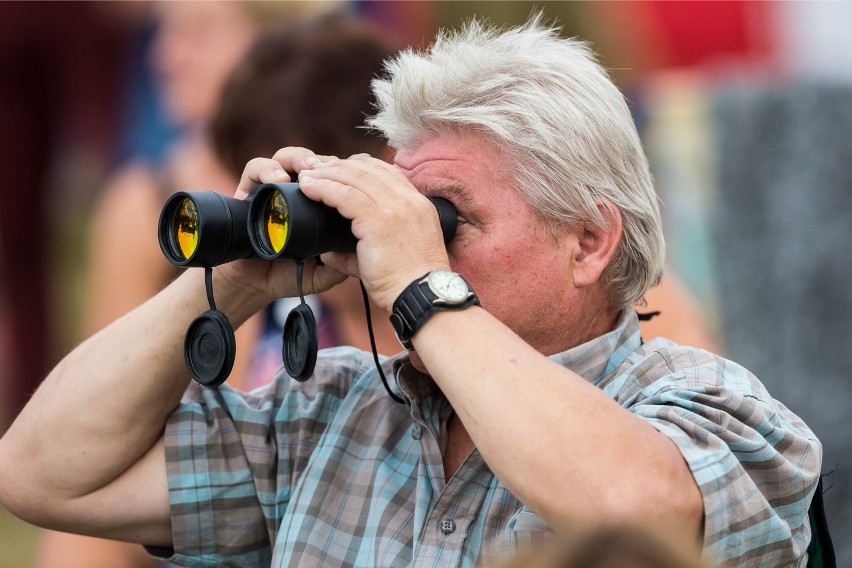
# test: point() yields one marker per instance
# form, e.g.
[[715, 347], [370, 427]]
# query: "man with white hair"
[[531, 407]]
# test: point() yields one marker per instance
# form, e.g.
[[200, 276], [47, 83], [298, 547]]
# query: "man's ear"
[[596, 246]]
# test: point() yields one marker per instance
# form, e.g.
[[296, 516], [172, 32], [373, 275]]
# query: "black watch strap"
[[417, 303]]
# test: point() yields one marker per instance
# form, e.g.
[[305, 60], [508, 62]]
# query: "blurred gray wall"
[[782, 232]]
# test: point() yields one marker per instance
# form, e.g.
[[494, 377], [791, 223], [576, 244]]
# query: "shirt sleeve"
[[232, 458], [755, 462]]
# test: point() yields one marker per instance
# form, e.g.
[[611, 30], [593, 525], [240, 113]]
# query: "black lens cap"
[[209, 348], [301, 343]]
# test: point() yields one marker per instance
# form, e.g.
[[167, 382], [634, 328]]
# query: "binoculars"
[[276, 221]]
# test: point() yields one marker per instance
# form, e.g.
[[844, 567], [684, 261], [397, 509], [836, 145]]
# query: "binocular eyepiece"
[[276, 221]]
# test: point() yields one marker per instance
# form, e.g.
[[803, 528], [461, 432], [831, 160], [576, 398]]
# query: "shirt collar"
[[412, 383]]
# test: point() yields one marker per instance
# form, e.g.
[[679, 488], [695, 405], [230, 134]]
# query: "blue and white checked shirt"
[[332, 472]]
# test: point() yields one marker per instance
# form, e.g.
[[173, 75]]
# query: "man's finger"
[[273, 170], [293, 158], [260, 170]]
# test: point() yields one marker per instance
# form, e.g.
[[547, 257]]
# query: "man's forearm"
[[107, 402], [542, 429]]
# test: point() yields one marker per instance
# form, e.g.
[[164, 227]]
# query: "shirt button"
[[447, 526], [417, 432]]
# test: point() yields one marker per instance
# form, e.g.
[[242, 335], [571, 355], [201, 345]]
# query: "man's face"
[[520, 269]]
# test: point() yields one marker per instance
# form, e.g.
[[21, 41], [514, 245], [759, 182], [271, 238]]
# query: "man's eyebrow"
[[452, 192]]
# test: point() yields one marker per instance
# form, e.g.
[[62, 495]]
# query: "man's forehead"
[[450, 153], [419, 158]]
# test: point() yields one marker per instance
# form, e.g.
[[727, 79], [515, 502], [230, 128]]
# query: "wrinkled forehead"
[[457, 156]]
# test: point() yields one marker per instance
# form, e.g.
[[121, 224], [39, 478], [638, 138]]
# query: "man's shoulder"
[[662, 374], [661, 364], [673, 357]]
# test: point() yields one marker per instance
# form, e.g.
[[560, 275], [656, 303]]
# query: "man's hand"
[[276, 279], [399, 235]]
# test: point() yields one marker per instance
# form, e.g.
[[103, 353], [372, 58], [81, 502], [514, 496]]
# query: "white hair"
[[546, 101]]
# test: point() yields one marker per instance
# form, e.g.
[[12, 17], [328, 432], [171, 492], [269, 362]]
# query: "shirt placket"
[[452, 517]]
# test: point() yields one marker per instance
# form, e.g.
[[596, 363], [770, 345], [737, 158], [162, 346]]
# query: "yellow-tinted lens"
[[276, 217], [186, 228]]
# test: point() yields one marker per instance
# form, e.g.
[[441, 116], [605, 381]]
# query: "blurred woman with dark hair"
[[307, 85], [305, 82]]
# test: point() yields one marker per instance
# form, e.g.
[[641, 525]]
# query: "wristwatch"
[[438, 290]]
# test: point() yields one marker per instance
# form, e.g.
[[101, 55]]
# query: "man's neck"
[[459, 446], [589, 319]]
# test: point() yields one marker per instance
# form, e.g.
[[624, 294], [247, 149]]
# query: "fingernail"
[[312, 160], [280, 174]]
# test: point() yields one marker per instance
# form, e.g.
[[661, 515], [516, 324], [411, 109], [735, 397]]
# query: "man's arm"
[[84, 456], [541, 428]]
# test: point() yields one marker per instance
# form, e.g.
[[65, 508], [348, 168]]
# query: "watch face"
[[448, 286]]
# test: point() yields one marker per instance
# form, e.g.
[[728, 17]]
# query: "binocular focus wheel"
[[209, 348], [301, 343]]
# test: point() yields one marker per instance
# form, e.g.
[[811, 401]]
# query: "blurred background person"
[[195, 46], [308, 85], [616, 547], [304, 83]]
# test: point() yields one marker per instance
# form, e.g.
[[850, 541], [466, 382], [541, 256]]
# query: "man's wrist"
[[233, 298], [435, 291]]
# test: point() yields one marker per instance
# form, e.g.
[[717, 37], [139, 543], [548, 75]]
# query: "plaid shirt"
[[333, 472]]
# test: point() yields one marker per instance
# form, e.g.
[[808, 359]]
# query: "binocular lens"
[[186, 228], [276, 217]]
